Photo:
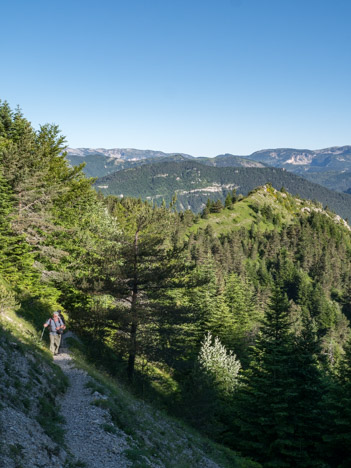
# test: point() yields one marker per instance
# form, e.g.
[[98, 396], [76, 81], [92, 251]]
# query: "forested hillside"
[[329, 167], [98, 163], [235, 319], [193, 183]]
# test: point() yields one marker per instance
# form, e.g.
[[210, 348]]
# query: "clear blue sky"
[[202, 77]]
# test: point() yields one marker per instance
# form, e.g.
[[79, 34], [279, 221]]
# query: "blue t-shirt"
[[54, 325]]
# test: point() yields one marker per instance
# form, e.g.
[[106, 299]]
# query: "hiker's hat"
[[56, 313]]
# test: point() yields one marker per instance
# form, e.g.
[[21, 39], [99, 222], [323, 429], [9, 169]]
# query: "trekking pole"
[[42, 334]]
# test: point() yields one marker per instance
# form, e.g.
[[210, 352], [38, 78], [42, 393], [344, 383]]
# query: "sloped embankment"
[[89, 434], [30, 424], [70, 415]]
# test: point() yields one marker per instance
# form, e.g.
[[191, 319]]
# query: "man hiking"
[[56, 328]]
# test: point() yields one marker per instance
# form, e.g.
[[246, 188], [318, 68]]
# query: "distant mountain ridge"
[[330, 167], [100, 162], [334, 158], [121, 153]]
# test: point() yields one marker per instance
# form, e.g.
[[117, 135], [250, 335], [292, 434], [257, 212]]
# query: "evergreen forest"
[[235, 319], [193, 181]]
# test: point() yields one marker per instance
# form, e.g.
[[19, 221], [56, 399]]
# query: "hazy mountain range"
[[330, 167], [100, 162], [155, 175]]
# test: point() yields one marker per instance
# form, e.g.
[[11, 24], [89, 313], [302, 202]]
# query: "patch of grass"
[[60, 381], [161, 381], [50, 419], [122, 416], [138, 457], [15, 452], [26, 403], [17, 383], [109, 428], [95, 387], [75, 464]]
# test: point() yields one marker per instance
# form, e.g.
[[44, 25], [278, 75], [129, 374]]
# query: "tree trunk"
[[132, 351], [134, 313]]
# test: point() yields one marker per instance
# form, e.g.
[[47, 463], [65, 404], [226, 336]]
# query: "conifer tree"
[[338, 404], [262, 403], [307, 409], [279, 407], [228, 201], [216, 206], [16, 261], [139, 280], [234, 317]]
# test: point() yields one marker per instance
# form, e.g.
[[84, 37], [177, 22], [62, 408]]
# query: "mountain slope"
[[330, 167], [334, 180], [268, 208], [99, 163], [31, 386], [194, 183], [124, 154], [335, 158], [229, 160]]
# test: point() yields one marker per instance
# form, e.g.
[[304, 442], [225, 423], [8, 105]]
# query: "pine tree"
[[234, 318], [279, 408], [228, 201], [307, 409], [262, 412], [6, 116], [338, 405], [205, 213], [216, 207], [16, 260], [147, 268]]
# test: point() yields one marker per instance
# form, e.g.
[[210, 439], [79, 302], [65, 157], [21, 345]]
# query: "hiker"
[[56, 329]]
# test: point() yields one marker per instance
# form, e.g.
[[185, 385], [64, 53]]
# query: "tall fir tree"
[[307, 411], [338, 404], [147, 268], [262, 413]]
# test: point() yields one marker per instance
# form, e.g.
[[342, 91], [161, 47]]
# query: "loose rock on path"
[[85, 437]]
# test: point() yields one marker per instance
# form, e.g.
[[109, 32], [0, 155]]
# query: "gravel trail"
[[85, 437]]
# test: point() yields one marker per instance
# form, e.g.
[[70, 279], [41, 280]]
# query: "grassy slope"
[[29, 385], [249, 210], [244, 213]]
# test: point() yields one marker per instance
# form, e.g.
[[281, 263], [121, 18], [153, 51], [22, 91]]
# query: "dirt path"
[[85, 436]]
